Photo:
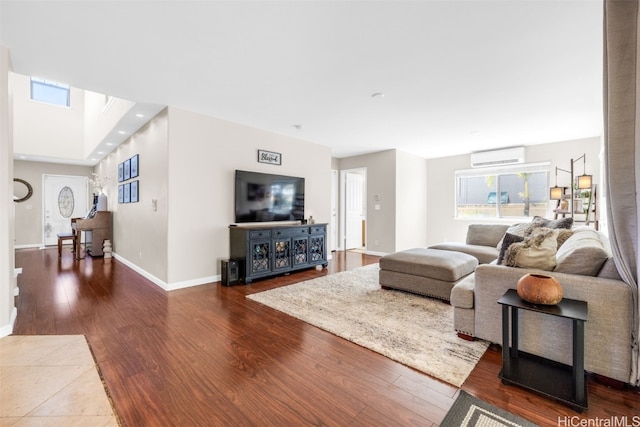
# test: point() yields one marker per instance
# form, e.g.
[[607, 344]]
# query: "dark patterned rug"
[[468, 410]]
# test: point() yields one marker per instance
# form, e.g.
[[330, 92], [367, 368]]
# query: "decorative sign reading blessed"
[[269, 157]]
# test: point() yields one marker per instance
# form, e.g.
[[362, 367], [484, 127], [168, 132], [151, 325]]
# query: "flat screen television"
[[263, 197]]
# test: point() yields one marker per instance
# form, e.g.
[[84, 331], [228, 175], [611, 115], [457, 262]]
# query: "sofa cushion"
[[462, 293], [536, 251], [485, 234], [583, 253], [609, 270], [484, 254]]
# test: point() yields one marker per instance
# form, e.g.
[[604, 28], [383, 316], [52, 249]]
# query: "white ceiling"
[[457, 76]]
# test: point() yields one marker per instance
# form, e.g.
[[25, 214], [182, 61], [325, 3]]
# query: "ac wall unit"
[[507, 156]]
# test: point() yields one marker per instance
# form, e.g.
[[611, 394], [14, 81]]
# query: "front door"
[[65, 197]]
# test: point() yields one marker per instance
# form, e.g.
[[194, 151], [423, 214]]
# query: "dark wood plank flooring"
[[206, 356]]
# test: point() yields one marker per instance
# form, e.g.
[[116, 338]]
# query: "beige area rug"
[[413, 330]]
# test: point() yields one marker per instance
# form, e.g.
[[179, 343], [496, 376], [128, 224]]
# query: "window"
[[50, 92], [509, 191]]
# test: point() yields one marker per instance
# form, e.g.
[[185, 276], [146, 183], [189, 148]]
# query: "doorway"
[[354, 202], [335, 189], [64, 197]]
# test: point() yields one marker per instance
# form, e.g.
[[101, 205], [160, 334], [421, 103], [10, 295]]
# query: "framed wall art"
[[127, 192], [121, 172], [269, 157], [127, 169], [121, 193], [134, 191], [134, 166]]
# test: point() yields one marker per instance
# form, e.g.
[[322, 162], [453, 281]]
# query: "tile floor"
[[51, 380]]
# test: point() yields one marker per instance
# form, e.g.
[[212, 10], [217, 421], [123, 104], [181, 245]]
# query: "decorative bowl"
[[539, 289]]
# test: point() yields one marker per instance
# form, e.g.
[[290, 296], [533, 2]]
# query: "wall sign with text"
[[269, 157]]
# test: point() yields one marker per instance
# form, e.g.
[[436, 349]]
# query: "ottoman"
[[429, 272]]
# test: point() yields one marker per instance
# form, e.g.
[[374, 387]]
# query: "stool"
[[429, 272], [66, 236]]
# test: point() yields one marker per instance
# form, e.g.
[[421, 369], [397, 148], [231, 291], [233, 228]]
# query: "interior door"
[[334, 210], [65, 197], [354, 201]]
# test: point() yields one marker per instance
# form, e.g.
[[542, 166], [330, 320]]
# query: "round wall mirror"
[[22, 190]]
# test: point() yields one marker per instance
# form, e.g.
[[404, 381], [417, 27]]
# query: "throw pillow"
[[583, 253], [563, 235], [538, 221], [516, 229], [507, 241], [536, 251]]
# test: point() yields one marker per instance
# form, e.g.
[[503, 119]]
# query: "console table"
[[564, 383], [269, 250]]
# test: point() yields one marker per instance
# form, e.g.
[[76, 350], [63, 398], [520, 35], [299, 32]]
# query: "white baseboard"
[[7, 330], [29, 246], [193, 282], [161, 283], [368, 252]]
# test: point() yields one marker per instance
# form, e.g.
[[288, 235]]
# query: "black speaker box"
[[230, 272]]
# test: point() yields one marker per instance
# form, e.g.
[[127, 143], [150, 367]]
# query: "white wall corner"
[[162, 284], [144, 273], [7, 330]]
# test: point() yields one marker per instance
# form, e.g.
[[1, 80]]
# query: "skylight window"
[[50, 92]]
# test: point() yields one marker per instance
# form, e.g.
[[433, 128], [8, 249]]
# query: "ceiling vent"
[[507, 156]]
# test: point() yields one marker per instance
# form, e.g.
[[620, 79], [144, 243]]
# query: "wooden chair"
[[73, 236]]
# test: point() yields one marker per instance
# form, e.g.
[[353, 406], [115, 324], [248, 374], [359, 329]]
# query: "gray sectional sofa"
[[586, 271]]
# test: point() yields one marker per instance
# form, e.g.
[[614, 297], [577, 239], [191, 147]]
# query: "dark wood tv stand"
[[269, 250]]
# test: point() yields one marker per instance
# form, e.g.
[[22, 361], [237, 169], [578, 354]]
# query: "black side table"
[[556, 380]]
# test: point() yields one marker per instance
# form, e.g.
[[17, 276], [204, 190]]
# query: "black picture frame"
[[121, 193], [120, 172], [127, 192], [270, 157], [127, 169], [134, 166], [135, 189]]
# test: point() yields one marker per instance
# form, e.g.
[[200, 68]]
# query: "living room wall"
[[395, 182], [204, 153], [441, 222], [7, 212], [411, 201], [140, 229], [187, 164]]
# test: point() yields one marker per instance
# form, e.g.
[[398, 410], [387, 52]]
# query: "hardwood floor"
[[206, 356]]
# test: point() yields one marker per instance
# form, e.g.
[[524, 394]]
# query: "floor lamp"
[[581, 182]]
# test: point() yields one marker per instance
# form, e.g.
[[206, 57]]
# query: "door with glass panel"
[[64, 197]]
